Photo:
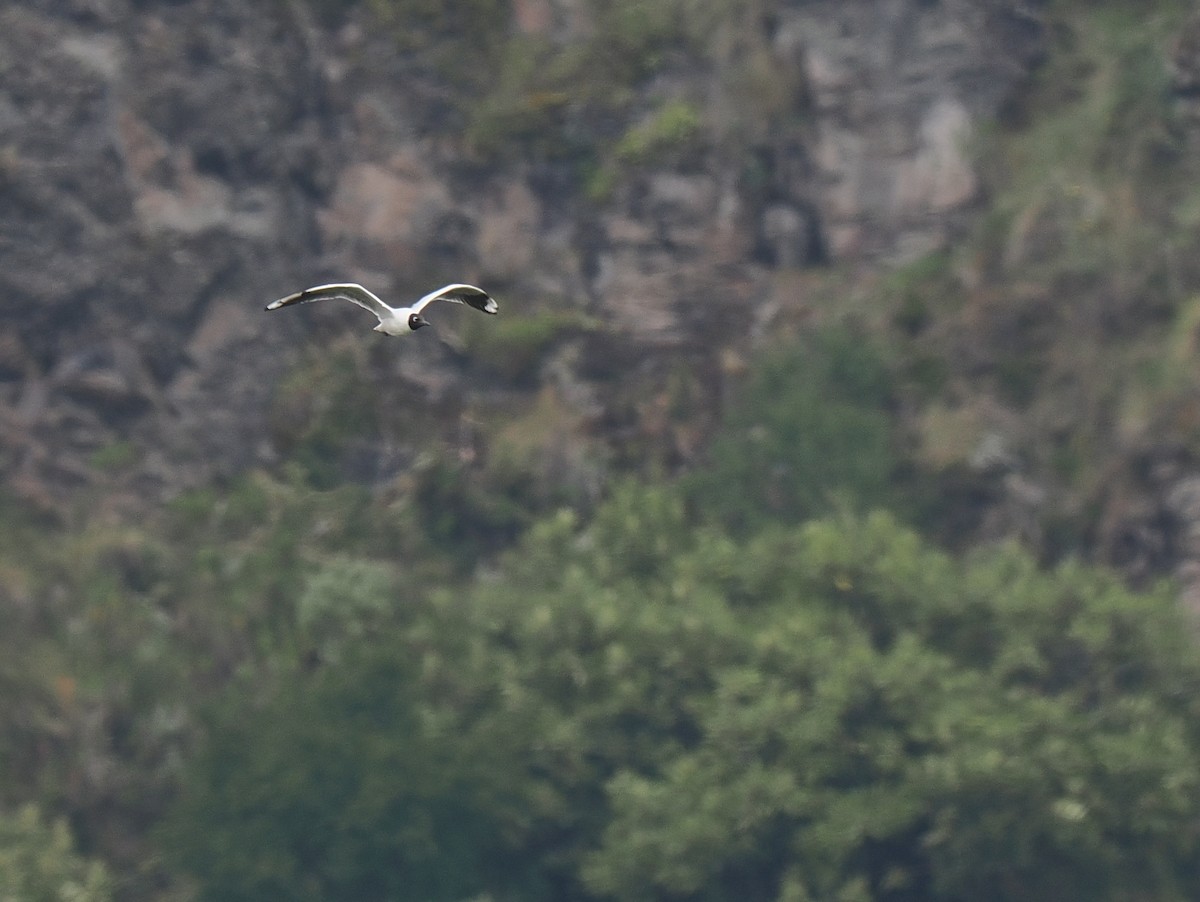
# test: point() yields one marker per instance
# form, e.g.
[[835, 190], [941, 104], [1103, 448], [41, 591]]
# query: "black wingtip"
[[487, 304]]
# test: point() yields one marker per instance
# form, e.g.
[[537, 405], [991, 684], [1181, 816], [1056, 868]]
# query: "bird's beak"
[[422, 321]]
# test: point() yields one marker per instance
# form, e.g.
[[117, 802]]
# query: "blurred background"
[[819, 520]]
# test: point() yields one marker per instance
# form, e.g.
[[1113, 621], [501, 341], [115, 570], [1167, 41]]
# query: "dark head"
[[416, 321]]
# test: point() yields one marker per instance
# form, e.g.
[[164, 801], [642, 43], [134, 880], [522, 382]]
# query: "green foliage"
[[469, 517], [341, 602], [38, 862], [811, 428], [668, 133], [529, 107], [839, 711], [114, 457], [436, 33], [922, 293], [1065, 292], [340, 788], [583, 101], [320, 411], [566, 101], [635, 37], [826, 711], [448, 31], [1085, 188], [514, 347], [633, 707], [112, 637]]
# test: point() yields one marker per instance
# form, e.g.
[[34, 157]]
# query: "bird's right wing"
[[458, 293], [346, 292]]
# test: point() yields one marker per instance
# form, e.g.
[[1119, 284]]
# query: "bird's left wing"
[[460, 294], [348, 291]]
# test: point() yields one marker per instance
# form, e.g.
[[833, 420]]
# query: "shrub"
[[811, 428], [38, 862]]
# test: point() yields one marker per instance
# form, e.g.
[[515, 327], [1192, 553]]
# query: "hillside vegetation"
[[835, 656]]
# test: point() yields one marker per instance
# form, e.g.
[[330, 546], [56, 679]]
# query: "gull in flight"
[[392, 320]]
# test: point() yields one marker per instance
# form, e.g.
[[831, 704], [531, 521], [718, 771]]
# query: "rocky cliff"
[[167, 167]]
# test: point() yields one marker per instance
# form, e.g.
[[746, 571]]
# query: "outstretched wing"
[[459, 294], [347, 292]]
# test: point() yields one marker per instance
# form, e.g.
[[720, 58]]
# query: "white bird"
[[392, 320]]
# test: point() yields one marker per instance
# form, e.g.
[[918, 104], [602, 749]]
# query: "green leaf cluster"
[[38, 862], [438, 34], [810, 429], [337, 788], [642, 708], [666, 133], [582, 101]]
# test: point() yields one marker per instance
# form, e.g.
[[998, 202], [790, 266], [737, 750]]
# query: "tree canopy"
[[637, 708]]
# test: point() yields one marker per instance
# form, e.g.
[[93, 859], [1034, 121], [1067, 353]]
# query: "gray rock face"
[[166, 168], [1185, 75], [162, 166], [898, 90]]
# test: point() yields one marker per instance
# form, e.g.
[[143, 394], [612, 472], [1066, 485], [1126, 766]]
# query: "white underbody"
[[395, 322]]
